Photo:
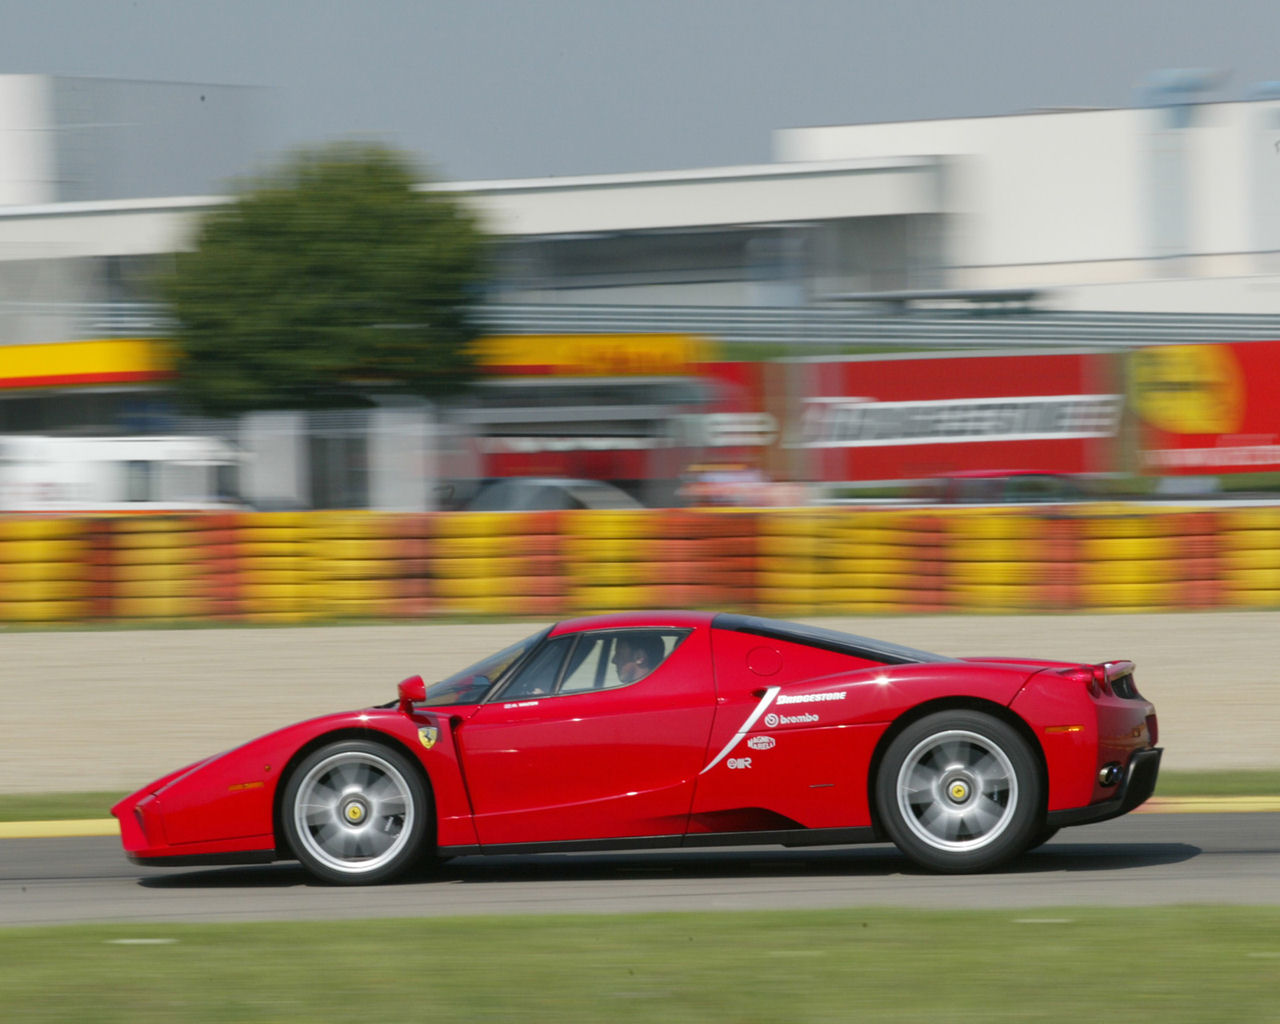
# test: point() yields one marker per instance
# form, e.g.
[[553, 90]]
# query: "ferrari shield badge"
[[427, 736]]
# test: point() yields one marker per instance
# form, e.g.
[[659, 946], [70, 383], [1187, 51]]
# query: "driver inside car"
[[637, 655]]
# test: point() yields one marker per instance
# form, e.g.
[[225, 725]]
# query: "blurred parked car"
[[1004, 486], [540, 494]]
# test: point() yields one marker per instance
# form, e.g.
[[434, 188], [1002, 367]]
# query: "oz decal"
[[738, 763]]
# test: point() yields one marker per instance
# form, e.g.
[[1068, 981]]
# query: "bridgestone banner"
[[874, 418]]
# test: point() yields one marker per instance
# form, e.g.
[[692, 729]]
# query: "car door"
[[779, 761], [569, 752]]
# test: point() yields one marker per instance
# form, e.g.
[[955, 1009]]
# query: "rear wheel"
[[356, 813], [959, 791]]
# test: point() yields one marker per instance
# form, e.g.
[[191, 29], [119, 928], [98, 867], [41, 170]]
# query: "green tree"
[[331, 278]]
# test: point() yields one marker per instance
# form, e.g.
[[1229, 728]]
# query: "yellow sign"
[[1188, 389], [68, 363], [594, 355]]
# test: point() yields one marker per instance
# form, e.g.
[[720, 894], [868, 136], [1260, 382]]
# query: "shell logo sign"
[[1188, 389], [1208, 409]]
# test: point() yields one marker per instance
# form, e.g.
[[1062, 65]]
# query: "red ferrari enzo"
[[658, 729]]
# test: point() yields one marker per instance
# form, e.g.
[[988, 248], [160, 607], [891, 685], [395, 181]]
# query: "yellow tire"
[[475, 567], [1250, 598], [1106, 573], [477, 546], [613, 573], [361, 549], [1254, 579], [792, 581], [351, 590], [1260, 518], [998, 551], [40, 529], [618, 524], [42, 611], [988, 574], [1252, 540], [55, 549], [1131, 549], [154, 589], [155, 571], [157, 606], [994, 526], [355, 568], [1129, 595], [22, 571], [43, 591], [1252, 558], [251, 549]]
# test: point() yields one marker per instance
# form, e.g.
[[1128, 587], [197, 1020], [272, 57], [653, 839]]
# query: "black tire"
[[356, 813], [1046, 833], [959, 791]]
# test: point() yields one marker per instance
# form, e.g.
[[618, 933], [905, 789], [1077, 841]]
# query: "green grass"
[[69, 806], [1244, 782], [1174, 965], [57, 806]]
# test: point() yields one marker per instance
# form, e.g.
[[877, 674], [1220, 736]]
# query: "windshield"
[[471, 684]]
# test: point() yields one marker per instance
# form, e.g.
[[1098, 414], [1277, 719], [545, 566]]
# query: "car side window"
[[584, 662], [538, 678], [587, 665], [618, 658]]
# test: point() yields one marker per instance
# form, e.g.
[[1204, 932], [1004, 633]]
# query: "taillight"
[[1088, 678]]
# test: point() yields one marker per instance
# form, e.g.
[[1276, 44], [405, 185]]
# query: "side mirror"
[[412, 691]]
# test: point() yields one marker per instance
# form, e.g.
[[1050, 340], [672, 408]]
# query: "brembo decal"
[[745, 728], [772, 720]]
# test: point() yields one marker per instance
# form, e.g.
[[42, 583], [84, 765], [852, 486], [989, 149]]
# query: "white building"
[[1172, 208], [1161, 209]]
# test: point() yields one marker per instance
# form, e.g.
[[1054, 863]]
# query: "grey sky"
[[518, 88]]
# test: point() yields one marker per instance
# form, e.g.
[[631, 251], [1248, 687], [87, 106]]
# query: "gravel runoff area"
[[113, 709]]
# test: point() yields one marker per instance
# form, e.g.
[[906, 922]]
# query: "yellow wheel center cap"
[[355, 813], [959, 791]]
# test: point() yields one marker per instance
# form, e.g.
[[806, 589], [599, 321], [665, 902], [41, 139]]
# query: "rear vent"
[[1123, 686]]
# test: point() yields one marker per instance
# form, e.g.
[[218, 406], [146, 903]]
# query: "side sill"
[[782, 837], [205, 859]]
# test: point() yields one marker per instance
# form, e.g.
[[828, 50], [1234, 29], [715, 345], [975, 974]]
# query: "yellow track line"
[[1208, 804], [1156, 805]]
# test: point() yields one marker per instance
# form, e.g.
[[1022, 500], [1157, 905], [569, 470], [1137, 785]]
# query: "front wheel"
[[959, 791], [356, 813]]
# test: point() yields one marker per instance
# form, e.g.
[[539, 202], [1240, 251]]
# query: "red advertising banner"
[[1208, 409], [907, 418]]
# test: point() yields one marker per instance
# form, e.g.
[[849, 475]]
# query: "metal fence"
[[801, 327]]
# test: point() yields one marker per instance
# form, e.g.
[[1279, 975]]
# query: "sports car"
[[673, 729]]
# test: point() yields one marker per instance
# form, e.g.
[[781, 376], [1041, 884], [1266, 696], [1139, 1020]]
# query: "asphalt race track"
[[117, 708], [1139, 860]]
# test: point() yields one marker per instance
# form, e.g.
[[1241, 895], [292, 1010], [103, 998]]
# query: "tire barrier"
[[636, 558], [313, 566], [43, 575], [497, 563], [1251, 557]]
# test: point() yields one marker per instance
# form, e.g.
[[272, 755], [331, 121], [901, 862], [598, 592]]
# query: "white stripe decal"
[[765, 701]]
